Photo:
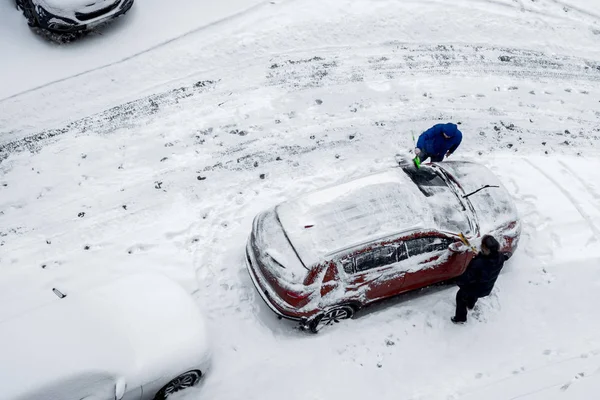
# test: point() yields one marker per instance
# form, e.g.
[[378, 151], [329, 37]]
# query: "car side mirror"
[[457, 247]]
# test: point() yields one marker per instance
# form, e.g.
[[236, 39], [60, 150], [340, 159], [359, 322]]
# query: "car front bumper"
[[57, 21]]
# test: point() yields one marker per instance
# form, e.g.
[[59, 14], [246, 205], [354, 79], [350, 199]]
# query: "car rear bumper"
[[265, 293], [56, 21]]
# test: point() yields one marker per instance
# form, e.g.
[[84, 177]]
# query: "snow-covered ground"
[[161, 161], [31, 62]]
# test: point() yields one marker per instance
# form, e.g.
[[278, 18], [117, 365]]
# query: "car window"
[[449, 212], [426, 245], [402, 254], [426, 179], [348, 265], [375, 258]]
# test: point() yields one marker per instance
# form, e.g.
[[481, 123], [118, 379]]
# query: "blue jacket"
[[433, 142]]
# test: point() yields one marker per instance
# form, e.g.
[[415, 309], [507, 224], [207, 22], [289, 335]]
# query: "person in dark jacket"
[[479, 278], [437, 142]]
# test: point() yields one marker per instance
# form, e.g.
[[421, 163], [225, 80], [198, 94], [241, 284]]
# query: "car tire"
[[334, 314], [183, 381], [27, 8]]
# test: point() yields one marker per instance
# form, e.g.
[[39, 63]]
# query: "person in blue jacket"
[[438, 142]]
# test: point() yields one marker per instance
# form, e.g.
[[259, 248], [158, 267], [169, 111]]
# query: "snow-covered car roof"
[[109, 332], [365, 209]]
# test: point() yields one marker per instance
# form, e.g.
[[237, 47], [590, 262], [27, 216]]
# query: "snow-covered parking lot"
[[158, 155]]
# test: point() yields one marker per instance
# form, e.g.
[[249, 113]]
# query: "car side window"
[[375, 258], [348, 265], [426, 245], [402, 253]]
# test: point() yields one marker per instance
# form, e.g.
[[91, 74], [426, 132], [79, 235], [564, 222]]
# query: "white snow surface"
[[154, 163], [29, 61]]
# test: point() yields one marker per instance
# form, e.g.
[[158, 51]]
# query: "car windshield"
[[449, 213]]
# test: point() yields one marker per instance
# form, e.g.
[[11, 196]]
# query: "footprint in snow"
[[139, 248], [579, 375]]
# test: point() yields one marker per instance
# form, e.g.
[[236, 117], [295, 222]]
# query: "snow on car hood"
[[77, 5], [494, 206], [110, 330]]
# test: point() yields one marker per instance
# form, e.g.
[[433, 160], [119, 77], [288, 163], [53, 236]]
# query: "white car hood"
[[111, 329]]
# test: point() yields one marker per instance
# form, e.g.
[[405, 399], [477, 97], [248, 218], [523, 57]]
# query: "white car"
[[138, 337], [71, 15]]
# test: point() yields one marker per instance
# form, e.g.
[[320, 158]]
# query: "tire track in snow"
[[586, 217], [585, 185], [150, 49], [578, 9], [396, 58], [573, 365], [111, 119], [500, 4], [317, 68]]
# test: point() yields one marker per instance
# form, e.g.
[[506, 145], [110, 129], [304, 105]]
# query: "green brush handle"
[[417, 161]]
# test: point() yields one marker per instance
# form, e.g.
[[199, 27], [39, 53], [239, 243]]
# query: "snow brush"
[[416, 160], [466, 242]]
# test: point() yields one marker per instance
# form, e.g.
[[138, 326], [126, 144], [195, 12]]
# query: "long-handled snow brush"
[[466, 242]]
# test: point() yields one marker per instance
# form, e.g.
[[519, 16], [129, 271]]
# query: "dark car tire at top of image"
[[183, 381], [334, 314], [26, 8]]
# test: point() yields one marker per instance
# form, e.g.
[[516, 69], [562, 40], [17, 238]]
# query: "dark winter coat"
[[432, 142], [481, 274]]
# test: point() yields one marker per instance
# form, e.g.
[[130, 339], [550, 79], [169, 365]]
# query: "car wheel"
[[183, 381], [335, 314], [26, 7]]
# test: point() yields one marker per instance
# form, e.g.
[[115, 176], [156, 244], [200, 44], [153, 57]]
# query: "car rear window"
[[276, 252]]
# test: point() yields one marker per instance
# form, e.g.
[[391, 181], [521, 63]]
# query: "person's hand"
[[448, 153], [417, 151]]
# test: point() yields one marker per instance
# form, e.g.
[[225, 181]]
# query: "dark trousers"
[[434, 158], [464, 300]]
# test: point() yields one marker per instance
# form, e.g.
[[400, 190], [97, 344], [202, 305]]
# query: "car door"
[[429, 261], [372, 274], [85, 386]]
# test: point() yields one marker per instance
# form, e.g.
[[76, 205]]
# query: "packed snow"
[[154, 146]]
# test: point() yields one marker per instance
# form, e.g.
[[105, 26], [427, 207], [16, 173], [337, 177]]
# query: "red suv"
[[321, 257]]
